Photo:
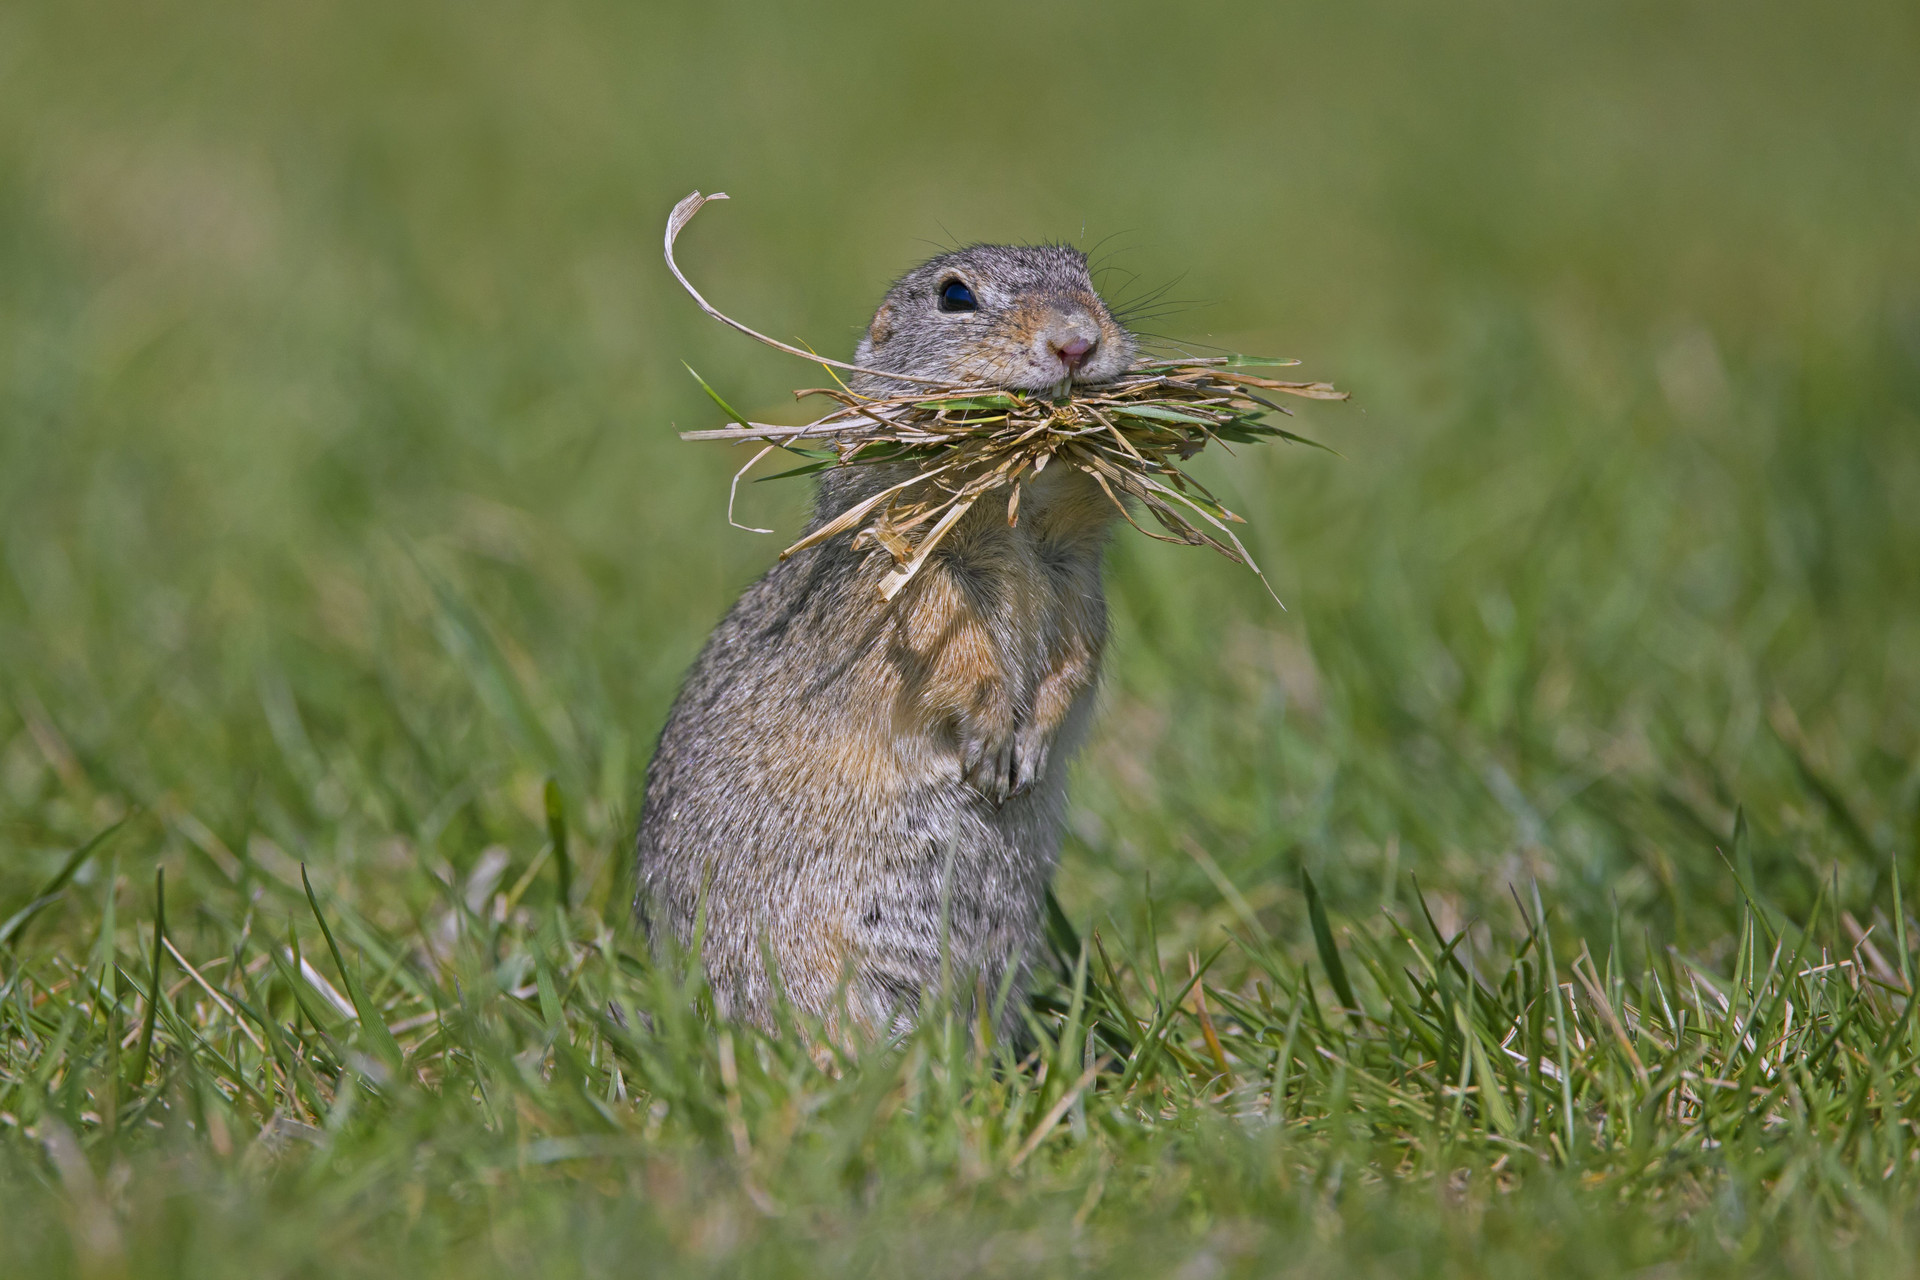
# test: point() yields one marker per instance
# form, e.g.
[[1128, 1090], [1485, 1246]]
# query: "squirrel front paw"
[[1030, 745], [991, 766], [1004, 767]]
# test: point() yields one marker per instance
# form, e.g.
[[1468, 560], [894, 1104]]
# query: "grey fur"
[[804, 792]]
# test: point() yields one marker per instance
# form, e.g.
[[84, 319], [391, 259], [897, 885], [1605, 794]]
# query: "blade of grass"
[[49, 892], [137, 1076], [372, 1027], [1329, 953], [557, 834]]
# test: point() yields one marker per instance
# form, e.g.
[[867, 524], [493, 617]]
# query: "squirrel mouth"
[[1080, 376], [1055, 383]]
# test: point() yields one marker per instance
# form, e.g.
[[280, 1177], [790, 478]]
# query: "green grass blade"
[[1329, 953], [373, 1029], [144, 1054], [557, 836], [49, 893]]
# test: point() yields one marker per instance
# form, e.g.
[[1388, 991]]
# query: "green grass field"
[[343, 524]]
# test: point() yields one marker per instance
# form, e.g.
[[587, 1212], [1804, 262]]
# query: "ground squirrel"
[[849, 784]]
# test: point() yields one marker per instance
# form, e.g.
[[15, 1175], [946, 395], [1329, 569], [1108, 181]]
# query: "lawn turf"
[[341, 511]]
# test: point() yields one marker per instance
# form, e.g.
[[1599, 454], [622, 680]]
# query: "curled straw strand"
[[683, 214], [965, 441]]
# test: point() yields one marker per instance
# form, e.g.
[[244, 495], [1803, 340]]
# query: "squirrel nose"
[[1072, 352]]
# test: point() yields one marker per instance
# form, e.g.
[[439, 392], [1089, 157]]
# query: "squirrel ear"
[[882, 327]]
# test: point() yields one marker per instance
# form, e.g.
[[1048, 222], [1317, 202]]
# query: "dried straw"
[[967, 442]]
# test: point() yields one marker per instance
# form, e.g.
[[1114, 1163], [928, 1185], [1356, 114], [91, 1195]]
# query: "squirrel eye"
[[955, 296]]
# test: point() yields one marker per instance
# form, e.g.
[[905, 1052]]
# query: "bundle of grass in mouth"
[[967, 443]]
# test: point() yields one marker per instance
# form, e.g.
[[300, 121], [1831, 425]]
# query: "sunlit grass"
[[1533, 896], [511, 1060]]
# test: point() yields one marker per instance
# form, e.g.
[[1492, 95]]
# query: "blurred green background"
[[340, 499], [341, 506]]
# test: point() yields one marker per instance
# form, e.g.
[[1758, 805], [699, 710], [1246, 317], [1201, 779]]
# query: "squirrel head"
[[1016, 316]]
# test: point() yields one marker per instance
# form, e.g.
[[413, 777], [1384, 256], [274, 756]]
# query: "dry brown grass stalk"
[[966, 443]]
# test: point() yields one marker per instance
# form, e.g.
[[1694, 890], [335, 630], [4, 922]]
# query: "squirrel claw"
[[1030, 758], [992, 770], [1000, 771], [1027, 771]]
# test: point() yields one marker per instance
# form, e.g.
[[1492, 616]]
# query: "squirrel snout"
[[1073, 350], [1071, 339]]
